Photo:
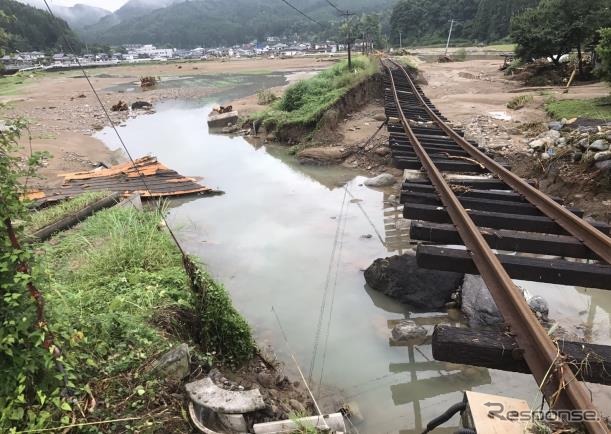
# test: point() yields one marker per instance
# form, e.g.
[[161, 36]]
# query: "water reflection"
[[270, 239]]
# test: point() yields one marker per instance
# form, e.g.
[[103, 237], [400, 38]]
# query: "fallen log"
[[498, 350], [71, 220]]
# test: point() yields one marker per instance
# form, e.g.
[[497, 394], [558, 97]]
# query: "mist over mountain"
[[133, 9], [78, 16], [26, 28]]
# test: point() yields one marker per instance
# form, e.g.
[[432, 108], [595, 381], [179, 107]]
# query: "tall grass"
[[47, 216], [597, 108], [305, 102], [107, 279]]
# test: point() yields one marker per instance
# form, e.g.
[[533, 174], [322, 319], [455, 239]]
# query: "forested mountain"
[[25, 28], [215, 22], [78, 16], [133, 9], [428, 21]]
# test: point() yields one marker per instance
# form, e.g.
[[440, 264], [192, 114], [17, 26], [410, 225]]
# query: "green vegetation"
[[519, 102], [428, 21], [598, 108], [604, 52], [26, 348], [302, 427], [501, 47], [217, 22], [556, 27], [47, 216], [460, 55], [26, 28], [407, 61], [305, 102], [10, 84], [116, 297], [265, 97]]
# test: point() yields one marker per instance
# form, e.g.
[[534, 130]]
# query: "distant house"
[[64, 59]]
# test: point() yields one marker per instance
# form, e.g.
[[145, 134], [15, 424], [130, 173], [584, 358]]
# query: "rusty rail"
[[557, 382]]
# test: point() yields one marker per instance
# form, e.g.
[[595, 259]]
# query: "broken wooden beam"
[[73, 219], [498, 350], [558, 271]]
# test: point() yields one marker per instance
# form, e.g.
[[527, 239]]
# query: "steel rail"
[[556, 380], [591, 237]]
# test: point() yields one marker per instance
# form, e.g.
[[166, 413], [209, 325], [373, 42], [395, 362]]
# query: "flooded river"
[[289, 236]]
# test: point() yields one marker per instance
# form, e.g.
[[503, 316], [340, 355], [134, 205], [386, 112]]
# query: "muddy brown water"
[[286, 235]]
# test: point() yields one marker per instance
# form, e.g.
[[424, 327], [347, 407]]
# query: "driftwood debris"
[[71, 220], [147, 177]]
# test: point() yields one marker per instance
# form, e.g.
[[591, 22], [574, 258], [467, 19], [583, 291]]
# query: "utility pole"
[[347, 15], [449, 36], [400, 39], [363, 44]]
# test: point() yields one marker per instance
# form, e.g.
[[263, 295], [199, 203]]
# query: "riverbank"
[[133, 328], [64, 113], [475, 94]]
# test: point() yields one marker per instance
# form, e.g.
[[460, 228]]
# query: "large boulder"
[[324, 155], [477, 303], [383, 180], [604, 166], [400, 277], [480, 308], [407, 331], [599, 145], [173, 365]]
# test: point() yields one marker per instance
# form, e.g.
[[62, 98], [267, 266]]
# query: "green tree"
[[27, 352], [371, 28], [493, 18], [604, 53], [538, 32], [556, 27], [29, 29]]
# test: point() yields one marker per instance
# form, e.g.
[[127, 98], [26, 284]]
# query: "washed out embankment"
[[312, 108], [134, 327]]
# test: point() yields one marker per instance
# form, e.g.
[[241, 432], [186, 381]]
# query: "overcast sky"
[[111, 5]]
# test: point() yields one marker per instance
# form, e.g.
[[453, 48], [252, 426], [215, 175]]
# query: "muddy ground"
[[473, 95], [64, 113]]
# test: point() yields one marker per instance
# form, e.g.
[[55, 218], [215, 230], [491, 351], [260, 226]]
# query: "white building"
[[151, 51]]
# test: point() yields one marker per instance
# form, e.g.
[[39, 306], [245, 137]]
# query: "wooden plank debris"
[[146, 176]]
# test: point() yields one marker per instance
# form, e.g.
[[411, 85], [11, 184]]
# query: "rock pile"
[[584, 144]]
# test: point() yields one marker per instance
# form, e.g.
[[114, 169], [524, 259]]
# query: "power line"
[[140, 174], [300, 12], [335, 7]]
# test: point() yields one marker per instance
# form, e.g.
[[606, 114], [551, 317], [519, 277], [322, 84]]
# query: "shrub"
[[519, 102], [304, 102], [460, 55], [604, 52], [265, 97]]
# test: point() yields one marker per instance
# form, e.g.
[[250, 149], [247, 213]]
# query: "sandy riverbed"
[[64, 113]]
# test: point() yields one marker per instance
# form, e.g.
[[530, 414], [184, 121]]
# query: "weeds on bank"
[[305, 102], [47, 216], [265, 97], [519, 102], [597, 108], [460, 55], [117, 298]]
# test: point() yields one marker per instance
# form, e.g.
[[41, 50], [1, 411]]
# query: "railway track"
[[465, 197]]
